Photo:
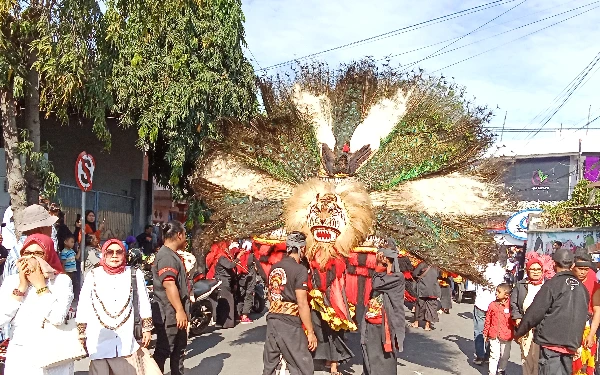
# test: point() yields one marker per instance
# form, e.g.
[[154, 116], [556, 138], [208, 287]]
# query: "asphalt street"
[[446, 350]]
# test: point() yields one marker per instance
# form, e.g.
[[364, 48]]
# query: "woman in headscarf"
[[106, 314], [521, 298], [382, 332], [39, 293], [90, 225]]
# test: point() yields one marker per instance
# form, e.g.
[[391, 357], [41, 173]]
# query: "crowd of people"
[[552, 313], [550, 308]]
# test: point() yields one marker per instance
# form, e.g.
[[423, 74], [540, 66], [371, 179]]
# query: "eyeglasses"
[[115, 252], [27, 253], [535, 269]]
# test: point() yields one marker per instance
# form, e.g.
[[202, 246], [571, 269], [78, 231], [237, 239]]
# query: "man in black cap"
[[558, 313], [288, 312]]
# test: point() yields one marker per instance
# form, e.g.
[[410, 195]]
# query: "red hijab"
[[105, 254], [46, 243], [530, 263]]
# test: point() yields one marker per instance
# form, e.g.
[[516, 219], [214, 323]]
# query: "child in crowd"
[[498, 330], [69, 259]]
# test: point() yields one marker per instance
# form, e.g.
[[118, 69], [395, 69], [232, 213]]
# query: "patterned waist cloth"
[[280, 307]]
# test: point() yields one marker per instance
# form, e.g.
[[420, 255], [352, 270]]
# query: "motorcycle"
[[206, 294], [201, 311], [136, 258]]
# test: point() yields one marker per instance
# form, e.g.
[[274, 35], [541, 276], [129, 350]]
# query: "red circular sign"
[[84, 171]]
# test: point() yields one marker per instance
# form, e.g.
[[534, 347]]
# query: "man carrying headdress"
[[289, 312]]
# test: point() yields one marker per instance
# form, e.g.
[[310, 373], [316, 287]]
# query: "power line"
[[464, 36], [399, 31], [493, 36], [514, 40], [572, 88]]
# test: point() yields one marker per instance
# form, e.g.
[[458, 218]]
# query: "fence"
[[116, 209]]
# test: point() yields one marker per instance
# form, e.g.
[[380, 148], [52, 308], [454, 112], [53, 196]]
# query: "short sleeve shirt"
[[285, 278], [68, 258], [168, 266]]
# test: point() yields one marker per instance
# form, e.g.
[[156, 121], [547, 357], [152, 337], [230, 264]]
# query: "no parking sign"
[[84, 171]]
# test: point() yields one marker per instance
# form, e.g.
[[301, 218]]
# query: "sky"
[[518, 78]]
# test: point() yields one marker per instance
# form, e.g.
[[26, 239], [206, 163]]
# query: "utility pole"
[[579, 165], [587, 126], [504, 123]]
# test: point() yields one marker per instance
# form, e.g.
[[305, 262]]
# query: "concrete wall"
[[114, 169]]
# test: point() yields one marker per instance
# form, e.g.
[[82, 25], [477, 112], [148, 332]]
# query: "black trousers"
[[225, 307], [247, 285], [288, 341], [376, 360], [170, 343], [555, 363]]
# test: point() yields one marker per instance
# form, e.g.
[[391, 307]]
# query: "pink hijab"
[[105, 254]]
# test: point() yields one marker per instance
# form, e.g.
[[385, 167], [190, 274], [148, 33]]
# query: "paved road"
[[446, 350]]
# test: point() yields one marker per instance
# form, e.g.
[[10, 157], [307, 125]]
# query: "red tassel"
[[371, 261], [352, 288], [368, 287]]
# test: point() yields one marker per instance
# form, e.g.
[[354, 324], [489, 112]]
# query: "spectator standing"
[[498, 330], [521, 298], [3, 256], [90, 225], [171, 299], [494, 274], [35, 219], [92, 254], [69, 258], [144, 240], [558, 313]]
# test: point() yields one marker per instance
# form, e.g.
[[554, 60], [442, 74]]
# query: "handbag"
[[137, 320], [67, 348]]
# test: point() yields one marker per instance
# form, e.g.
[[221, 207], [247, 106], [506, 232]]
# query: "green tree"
[[179, 67], [51, 61]]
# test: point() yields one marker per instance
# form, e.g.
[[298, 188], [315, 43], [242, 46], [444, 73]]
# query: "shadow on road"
[[203, 343], [211, 365], [252, 336], [468, 348], [465, 315]]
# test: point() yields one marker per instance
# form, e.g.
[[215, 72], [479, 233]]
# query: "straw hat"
[[35, 216]]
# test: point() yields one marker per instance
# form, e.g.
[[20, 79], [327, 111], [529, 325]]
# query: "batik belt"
[[287, 308]]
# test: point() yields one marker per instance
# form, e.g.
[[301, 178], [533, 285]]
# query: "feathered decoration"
[[358, 152]]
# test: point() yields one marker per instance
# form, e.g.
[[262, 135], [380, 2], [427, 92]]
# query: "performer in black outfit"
[[288, 312], [225, 271], [382, 333]]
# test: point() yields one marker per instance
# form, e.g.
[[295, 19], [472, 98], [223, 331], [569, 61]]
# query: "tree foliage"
[[563, 214], [178, 67]]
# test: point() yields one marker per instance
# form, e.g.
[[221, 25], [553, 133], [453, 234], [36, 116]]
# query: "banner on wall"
[[516, 225]]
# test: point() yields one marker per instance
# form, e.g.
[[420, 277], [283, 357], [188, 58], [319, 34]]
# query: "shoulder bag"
[[137, 320], [68, 350]]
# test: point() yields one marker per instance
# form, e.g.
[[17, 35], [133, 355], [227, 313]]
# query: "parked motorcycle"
[[206, 293], [201, 311], [136, 258]]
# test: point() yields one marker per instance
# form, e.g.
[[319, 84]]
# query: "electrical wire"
[[402, 30], [462, 37], [489, 37], [569, 93], [514, 40]]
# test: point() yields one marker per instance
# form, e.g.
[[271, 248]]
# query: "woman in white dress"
[[105, 316], [39, 293]]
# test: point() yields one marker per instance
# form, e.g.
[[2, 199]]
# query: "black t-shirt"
[[146, 245], [168, 264], [3, 255], [285, 278]]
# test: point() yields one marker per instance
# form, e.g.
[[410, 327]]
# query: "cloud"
[[522, 78]]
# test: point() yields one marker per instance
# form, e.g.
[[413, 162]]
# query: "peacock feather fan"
[[355, 152]]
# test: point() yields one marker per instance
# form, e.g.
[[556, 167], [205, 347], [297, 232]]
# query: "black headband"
[[583, 263]]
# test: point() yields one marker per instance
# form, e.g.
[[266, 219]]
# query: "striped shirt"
[[68, 259]]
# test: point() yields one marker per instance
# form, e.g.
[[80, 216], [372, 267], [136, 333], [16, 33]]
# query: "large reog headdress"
[[352, 153]]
